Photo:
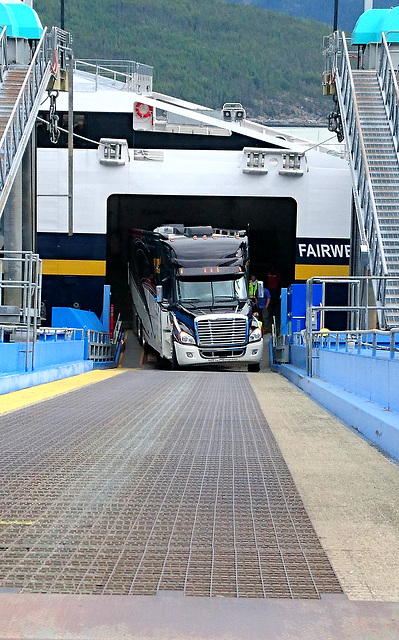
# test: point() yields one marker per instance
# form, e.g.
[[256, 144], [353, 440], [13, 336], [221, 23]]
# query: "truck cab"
[[190, 293]]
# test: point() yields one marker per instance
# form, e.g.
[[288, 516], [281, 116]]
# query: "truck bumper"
[[191, 354]]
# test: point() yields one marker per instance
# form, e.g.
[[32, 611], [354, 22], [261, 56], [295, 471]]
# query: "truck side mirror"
[[159, 290], [261, 289]]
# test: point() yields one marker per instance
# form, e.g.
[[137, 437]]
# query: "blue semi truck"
[[189, 288]]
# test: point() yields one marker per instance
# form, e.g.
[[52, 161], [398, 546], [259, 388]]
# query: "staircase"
[[383, 164], [21, 92], [9, 92], [367, 117]]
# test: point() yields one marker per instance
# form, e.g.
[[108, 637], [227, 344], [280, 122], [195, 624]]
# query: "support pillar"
[[13, 239], [29, 196]]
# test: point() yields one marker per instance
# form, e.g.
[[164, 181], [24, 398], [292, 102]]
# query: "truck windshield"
[[212, 291]]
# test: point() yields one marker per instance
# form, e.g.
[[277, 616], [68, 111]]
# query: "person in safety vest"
[[253, 291]]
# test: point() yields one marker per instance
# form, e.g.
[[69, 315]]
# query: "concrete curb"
[[9, 383], [378, 424]]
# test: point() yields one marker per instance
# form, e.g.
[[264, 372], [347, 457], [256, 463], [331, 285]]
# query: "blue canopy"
[[21, 20]]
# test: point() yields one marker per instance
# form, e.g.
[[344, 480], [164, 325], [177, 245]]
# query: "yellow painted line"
[[306, 271], [7, 522], [74, 267], [33, 395]]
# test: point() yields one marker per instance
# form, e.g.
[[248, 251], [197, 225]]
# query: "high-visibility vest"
[[253, 287]]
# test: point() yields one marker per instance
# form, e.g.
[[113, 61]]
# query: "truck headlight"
[[185, 338], [255, 335]]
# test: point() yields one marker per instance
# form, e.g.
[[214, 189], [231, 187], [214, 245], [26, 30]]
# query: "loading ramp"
[[193, 502]]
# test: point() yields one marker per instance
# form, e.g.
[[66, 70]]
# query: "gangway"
[[366, 116], [21, 91]]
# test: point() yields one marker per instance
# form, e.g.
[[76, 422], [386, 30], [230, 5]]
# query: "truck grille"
[[221, 331]]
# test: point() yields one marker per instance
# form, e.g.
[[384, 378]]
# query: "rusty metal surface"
[[170, 616], [154, 481]]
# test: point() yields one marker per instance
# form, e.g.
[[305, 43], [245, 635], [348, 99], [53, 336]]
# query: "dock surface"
[[144, 503]]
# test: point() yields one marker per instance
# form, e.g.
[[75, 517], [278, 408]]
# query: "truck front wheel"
[[140, 332]]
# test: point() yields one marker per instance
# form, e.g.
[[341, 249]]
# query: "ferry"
[[142, 159]]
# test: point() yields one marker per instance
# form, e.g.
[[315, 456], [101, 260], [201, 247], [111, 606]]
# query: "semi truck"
[[189, 288]]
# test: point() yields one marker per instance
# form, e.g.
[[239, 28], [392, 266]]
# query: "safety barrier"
[[100, 347], [132, 76]]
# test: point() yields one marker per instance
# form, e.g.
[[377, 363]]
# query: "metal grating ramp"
[[151, 481]]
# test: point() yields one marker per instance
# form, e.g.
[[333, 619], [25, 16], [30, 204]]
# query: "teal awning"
[[390, 25], [21, 20], [369, 26]]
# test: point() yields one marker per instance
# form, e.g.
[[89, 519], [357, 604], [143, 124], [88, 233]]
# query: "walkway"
[[162, 482]]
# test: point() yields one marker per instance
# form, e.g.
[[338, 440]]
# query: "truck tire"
[[254, 367], [140, 336]]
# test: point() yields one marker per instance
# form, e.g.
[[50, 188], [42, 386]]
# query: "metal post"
[[368, 4], [335, 25], [63, 15], [28, 197], [13, 240], [308, 327], [70, 142]]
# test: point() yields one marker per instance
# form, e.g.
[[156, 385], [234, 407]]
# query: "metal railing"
[[132, 76], [353, 341], [100, 347], [3, 54], [361, 310], [20, 292], [57, 334], [48, 60], [371, 247], [389, 87], [22, 118]]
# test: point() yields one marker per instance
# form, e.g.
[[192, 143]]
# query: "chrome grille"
[[225, 330]]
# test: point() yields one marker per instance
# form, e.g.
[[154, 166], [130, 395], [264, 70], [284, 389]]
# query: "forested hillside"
[[208, 51], [348, 10]]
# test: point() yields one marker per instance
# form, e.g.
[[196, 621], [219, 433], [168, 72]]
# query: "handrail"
[[16, 128], [338, 59], [364, 185], [128, 79], [357, 313], [21, 94], [389, 87], [353, 340], [23, 280], [3, 53]]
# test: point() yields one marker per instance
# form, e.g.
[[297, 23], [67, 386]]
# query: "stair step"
[[377, 175], [370, 134], [385, 226], [368, 109], [379, 145], [385, 158], [383, 163], [371, 142]]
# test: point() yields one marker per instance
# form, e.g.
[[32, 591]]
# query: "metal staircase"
[[368, 112], [21, 92], [383, 163]]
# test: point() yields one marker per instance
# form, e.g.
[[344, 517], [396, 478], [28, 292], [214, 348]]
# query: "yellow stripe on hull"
[[306, 271], [74, 267]]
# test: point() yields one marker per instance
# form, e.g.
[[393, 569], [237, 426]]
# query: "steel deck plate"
[[154, 481]]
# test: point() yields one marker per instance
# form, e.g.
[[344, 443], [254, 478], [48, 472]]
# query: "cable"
[[76, 135]]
